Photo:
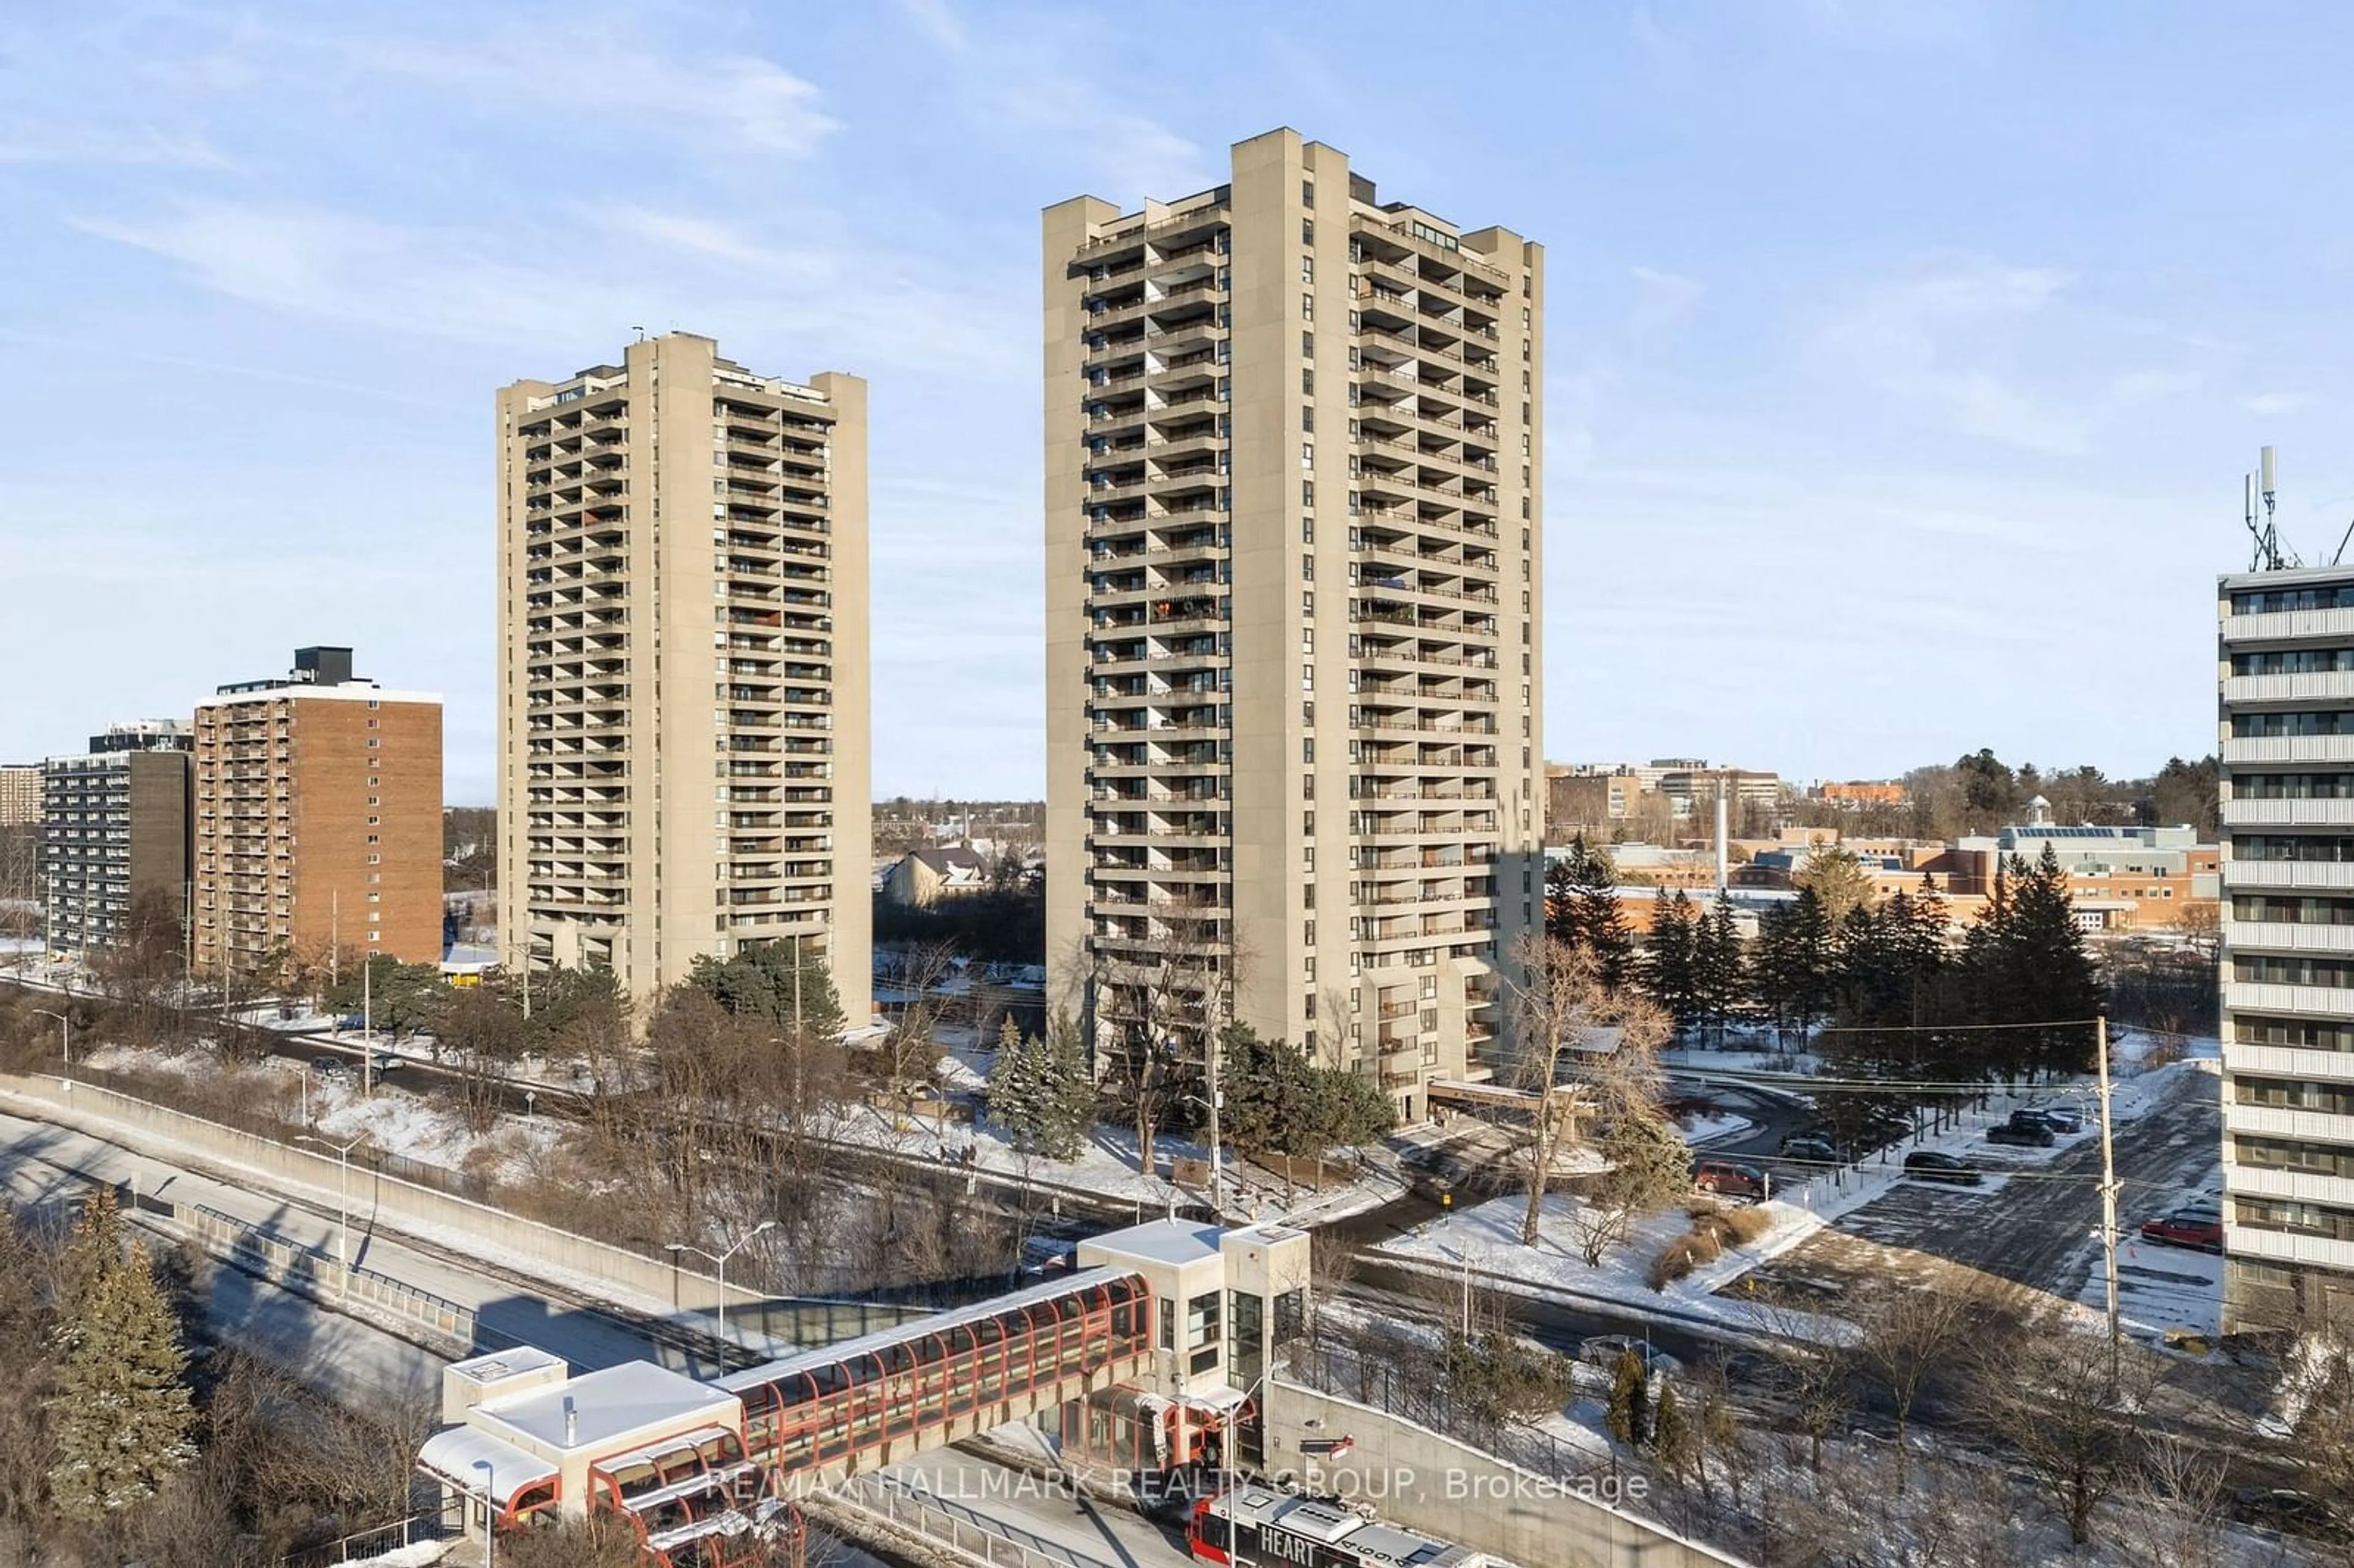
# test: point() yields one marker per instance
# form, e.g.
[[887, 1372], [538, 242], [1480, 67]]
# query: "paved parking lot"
[[2035, 1225]]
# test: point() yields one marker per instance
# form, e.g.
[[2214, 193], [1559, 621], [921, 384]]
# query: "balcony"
[[2278, 1121], [2239, 751], [2288, 1062], [2287, 1246], [2325, 812], [2265, 996], [2329, 685], [2299, 1186], [2281, 624], [2286, 937], [2316, 875]]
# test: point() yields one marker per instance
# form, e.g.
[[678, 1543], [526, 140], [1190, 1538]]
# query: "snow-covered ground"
[[1700, 1130], [1485, 1243], [2161, 1287]]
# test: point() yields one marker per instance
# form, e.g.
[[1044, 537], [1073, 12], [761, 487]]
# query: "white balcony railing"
[[2315, 876], [2287, 937], [2239, 751], [2280, 623], [2288, 1062], [2297, 1186], [2325, 813], [2287, 1246], [2324, 685], [2263, 996], [2278, 1121]]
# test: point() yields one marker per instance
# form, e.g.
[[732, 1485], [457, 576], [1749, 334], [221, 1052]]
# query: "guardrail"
[[367, 1543], [973, 1535], [294, 1264]]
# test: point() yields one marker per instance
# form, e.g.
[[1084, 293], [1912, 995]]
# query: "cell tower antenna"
[[2267, 555]]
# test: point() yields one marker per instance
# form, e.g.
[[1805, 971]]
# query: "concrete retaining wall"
[[1415, 1476], [377, 1201]]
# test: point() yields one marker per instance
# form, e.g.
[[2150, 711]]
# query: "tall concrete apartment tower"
[[682, 668], [318, 820], [2287, 711], [1294, 659], [114, 827]]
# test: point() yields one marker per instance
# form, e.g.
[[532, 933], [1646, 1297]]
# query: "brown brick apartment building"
[[20, 794], [318, 819]]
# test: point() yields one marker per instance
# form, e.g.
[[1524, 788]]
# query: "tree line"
[[1881, 986]]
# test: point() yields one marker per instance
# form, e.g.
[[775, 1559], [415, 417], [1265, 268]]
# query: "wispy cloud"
[[2271, 404], [140, 147], [1041, 76], [1905, 337]]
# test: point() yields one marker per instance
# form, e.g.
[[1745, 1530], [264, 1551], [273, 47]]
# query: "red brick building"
[[318, 820]]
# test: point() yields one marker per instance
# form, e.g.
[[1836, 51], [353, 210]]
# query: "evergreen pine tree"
[[1667, 966], [2053, 976], [1592, 919], [1628, 1417], [1561, 906], [1015, 1098], [1067, 1092], [1719, 976], [121, 1419], [1671, 1439]]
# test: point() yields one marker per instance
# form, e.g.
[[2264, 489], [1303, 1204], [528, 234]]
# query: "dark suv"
[[1929, 1165], [2035, 1134]]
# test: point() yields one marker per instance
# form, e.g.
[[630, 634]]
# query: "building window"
[[1307, 269], [374, 742], [1308, 345], [1308, 307], [1308, 193]]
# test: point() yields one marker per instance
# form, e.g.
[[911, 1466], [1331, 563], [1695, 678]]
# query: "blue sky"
[[1903, 354]]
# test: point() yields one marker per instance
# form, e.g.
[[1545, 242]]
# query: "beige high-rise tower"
[[1294, 632], [683, 689]]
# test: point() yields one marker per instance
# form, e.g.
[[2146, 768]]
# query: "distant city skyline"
[[1903, 357]]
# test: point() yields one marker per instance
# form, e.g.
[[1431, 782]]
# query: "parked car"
[[328, 1064], [1730, 1178], [384, 1062], [1604, 1351], [1929, 1165], [1811, 1146], [2195, 1225], [2292, 1512], [2034, 1116], [2031, 1134], [2066, 1117]]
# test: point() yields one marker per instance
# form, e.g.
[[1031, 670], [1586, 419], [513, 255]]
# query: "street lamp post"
[[490, 1513], [65, 1025], [721, 1259], [344, 1190]]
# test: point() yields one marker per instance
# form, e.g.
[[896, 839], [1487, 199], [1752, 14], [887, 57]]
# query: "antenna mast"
[[2267, 555]]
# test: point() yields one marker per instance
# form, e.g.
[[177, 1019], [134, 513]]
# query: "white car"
[[1605, 1350]]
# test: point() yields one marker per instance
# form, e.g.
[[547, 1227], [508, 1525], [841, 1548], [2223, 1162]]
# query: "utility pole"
[[367, 1022], [1217, 1161], [2108, 1189]]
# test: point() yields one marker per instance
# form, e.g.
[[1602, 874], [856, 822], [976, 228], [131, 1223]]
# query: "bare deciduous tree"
[[1584, 1049], [1909, 1336], [2044, 1393]]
